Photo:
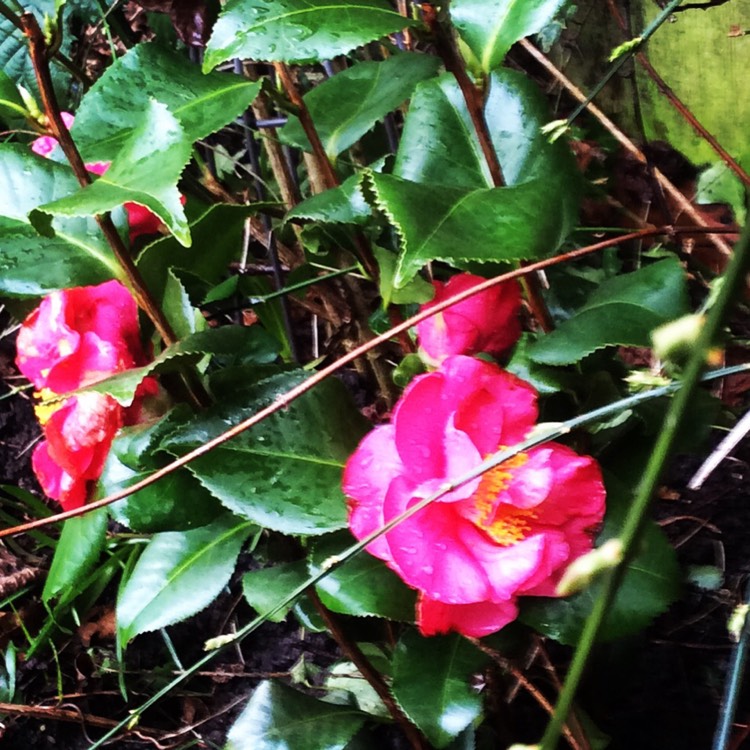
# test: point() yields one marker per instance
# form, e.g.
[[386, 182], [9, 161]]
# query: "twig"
[[40, 61], [723, 248], [373, 677], [725, 447], [294, 393]]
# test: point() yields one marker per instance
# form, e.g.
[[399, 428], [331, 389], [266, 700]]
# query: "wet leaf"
[[31, 265], [144, 171], [298, 30], [491, 27], [112, 110], [284, 473], [264, 589], [377, 88], [78, 549], [431, 682], [280, 718], [623, 311], [363, 585], [179, 574]]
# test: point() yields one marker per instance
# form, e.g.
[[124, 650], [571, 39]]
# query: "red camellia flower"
[[511, 532], [74, 338], [487, 322]]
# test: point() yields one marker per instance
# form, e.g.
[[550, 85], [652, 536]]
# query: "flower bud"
[[581, 573]]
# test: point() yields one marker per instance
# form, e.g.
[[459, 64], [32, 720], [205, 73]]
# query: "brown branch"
[[294, 393], [454, 63], [39, 58], [722, 247], [373, 677]]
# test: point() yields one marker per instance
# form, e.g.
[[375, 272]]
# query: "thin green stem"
[[635, 519], [217, 645], [648, 32]]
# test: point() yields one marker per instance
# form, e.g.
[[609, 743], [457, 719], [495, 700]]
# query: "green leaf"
[[344, 204], [651, 584], [11, 104], [111, 111], [415, 291], [264, 589], [719, 184], [362, 586], [431, 684], [280, 718], [179, 574], [436, 222], [296, 31], [439, 144], [77, 552], [491, 27], [175, 503], [144, 171], [252, 344], [623, 310], [220, 228], [31, 265], [455, 214], [285, 473], [347, 105]]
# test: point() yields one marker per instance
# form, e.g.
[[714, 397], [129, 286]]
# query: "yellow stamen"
[[504, 524], [47, 403]]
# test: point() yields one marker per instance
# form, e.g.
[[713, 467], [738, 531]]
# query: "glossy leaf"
[[431, 682], [623, 310], [363, 585], [265, 588], [298, 30], [252, 344], [280, 718], [457, 224], [651, 584], [111, 111], [31, 265], [491, 27], [176, 503], [285, 473], [144, 171], [377, 88], [179, 574], [440, 151], [77, 552], [11, 103]]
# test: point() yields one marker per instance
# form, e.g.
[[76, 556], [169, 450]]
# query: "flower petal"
[[473, 620]]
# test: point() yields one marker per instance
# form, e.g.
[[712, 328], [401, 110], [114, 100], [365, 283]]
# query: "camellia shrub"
[[308, 308]]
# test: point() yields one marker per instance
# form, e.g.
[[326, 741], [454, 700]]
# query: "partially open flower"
[[487, 322], [74, 338], [511, 532], [78, 336]]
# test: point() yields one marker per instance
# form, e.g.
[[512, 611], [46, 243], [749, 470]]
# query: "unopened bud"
[[737, 620], [581, 572], [674, 341]]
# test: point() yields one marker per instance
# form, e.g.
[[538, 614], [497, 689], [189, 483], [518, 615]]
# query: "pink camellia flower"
[[140, 219], [74, 338], [78, 336], [512, 532], [487, 322]]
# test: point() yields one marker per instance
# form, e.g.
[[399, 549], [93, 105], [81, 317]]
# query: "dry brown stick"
[[677, 103], [723, 248], [529, 686], [373, 677], [294, 393]]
